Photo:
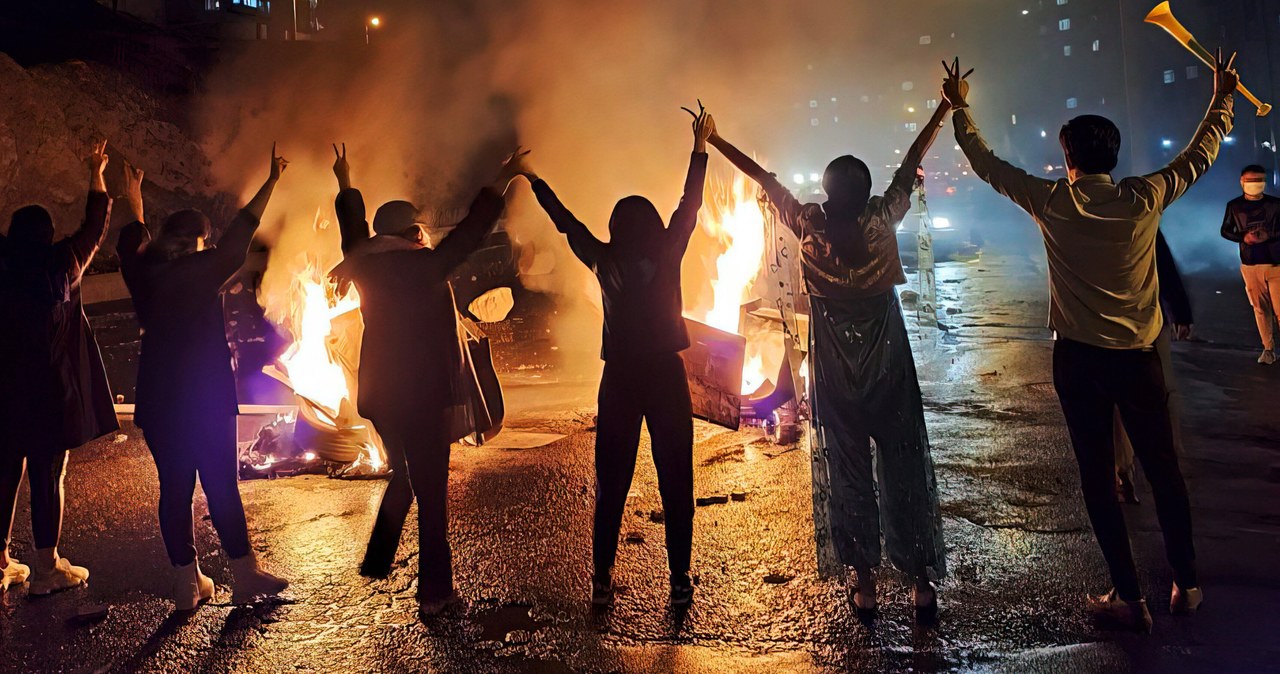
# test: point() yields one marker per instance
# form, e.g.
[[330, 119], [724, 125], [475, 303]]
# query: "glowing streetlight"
[[373, 22]]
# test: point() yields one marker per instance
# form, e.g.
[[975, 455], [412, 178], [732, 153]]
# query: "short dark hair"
[[1091, 143], [1253, 168]]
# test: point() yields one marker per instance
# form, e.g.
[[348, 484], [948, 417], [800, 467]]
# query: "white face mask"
[[1254, 189]]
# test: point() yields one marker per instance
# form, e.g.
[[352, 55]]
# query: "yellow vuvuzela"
[[1162, 16]]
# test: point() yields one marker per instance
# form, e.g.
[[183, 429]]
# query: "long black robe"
[[54, 393]]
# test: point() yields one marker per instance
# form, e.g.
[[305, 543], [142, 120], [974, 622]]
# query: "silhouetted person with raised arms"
[[410, 357], [1104, 310], [864, 385], [186, 395], [54, 394], [644, 376]]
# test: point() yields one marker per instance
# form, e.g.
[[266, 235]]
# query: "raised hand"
[[1225, 77], [955, 88], [133, 189], [513, 166], [341, 169], [278, 164], [704, 127], [97, 161]]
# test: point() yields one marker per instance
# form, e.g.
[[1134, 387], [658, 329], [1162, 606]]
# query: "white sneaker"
[[252, 582], [1268, 357], [62, 576], [191, 587], [13, 574]]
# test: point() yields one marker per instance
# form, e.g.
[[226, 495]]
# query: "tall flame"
[[733, 217], [309, 361]]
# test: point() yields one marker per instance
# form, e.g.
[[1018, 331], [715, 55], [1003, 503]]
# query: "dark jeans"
[[418, 452], [183, 452], [1092, 382], [654, 390], [45, 471]]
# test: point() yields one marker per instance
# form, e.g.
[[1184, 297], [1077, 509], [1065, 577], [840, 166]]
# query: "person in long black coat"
[[644, 376], [186, 395], [54, 394], [410, 358]]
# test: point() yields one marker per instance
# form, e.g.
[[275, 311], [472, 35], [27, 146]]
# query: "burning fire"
[[309, 363], [733, 217]]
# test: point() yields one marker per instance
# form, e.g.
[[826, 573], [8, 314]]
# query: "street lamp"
[[373, 22]]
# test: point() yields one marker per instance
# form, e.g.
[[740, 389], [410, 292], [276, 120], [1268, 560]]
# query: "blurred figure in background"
[[1178, 324], [186, 395], [1253, 221], [54, 394]]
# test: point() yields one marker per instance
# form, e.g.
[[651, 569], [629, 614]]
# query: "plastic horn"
[[1163, 16]]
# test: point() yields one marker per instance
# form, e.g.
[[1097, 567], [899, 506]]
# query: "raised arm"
[[1175, 179], [582, 242], [1027, 191], [485, 210], [84, 243], [786, 203], [233, 247], [685, 218], [353, 225]]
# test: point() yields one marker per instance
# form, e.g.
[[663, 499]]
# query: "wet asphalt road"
[[1020, 550]]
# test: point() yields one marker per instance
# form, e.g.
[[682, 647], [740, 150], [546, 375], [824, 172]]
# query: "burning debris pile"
[[746, 362]]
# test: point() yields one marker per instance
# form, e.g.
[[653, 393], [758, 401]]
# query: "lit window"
[[1014, 118], [1066, 50], [1064, 24], [1097, 45], [813, 103], [1168, 77], [212, 5], [1193, 72], [835, 120], [1072, 103], [813, 121], [865, 99], [926, 39], [908, 86], [1062, 2], [912, 127], [833, 99], [931, 103]]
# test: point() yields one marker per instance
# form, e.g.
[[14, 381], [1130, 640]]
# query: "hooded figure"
[[644, 376], [864, 385], [54, 394], [411, 361]]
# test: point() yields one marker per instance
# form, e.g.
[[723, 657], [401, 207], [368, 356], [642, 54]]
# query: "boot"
[[13, 573], [251, 581], [54, 573], [1185, 601], [190, 587]]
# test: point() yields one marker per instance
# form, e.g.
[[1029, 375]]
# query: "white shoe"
[[252, 582], [1268, 357], [61, 576], [13, 574], [1185, 602], [191, 587]]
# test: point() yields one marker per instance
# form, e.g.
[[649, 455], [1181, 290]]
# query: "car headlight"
[[941, 223]]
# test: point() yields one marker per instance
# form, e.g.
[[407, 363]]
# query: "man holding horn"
[[1104, 309]]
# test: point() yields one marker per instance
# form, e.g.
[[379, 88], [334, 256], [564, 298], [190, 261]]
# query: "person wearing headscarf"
[[644, 376], [186, 394], [55, 395], [864, 386]]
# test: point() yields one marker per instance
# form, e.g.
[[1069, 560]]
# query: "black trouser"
[[653, 389], [183, 452], [1092, 382], [45, 471], [418, 451]]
